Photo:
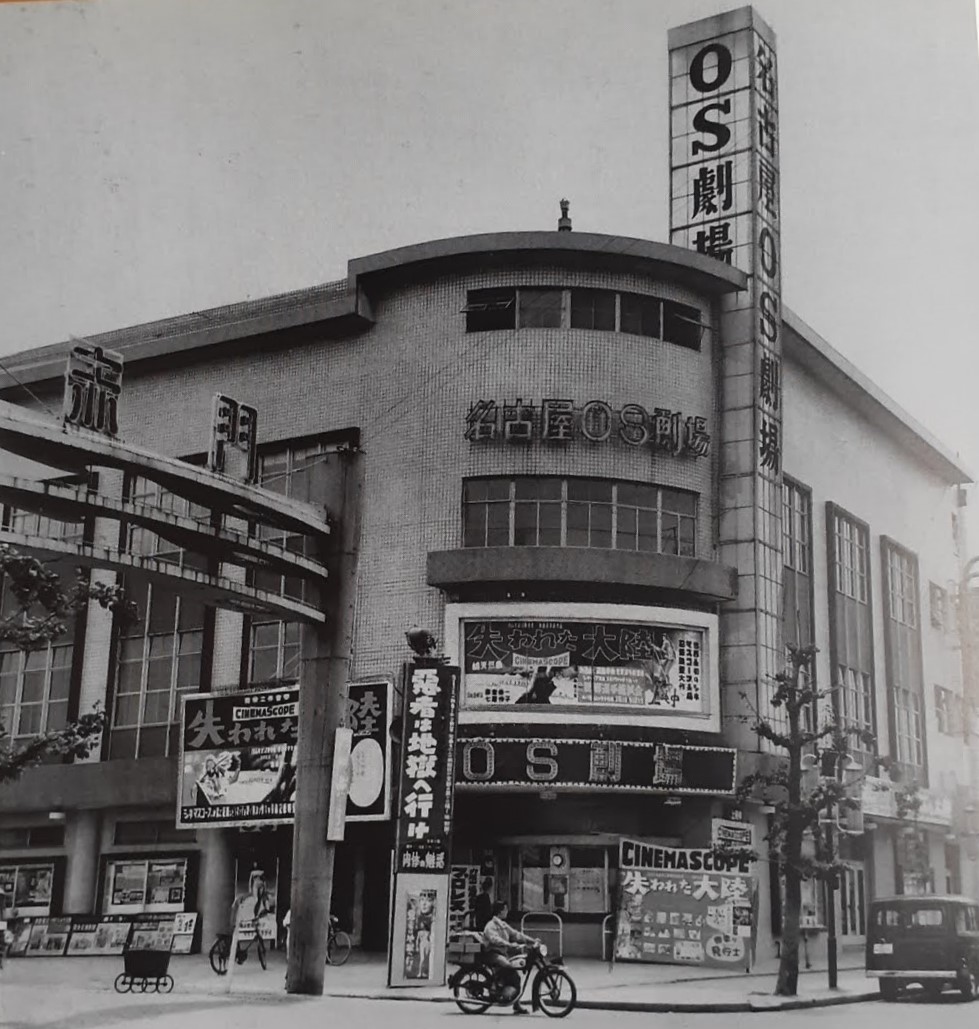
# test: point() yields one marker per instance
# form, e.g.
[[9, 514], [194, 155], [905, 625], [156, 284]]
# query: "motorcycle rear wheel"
[[473, 991]]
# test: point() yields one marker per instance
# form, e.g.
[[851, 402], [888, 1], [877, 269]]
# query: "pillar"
[[82, 865], [216, 886]]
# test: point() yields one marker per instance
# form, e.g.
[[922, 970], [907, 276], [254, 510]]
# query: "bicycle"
[[476, 987], [337, 943], [221, 951]]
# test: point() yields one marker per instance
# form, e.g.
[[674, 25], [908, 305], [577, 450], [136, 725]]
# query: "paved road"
[[72, 1008]]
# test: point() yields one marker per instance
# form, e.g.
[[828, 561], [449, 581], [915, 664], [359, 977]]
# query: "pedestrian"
[[483, 907]]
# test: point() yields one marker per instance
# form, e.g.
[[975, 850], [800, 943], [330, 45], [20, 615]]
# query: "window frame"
[[667, 520]]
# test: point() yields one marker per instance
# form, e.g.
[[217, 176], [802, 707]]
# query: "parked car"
[[929, 940]]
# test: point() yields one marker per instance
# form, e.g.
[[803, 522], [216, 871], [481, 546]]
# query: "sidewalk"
[[623, 987]]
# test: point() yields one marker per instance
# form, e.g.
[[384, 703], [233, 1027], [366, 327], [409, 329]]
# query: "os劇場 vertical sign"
[[724, 203]]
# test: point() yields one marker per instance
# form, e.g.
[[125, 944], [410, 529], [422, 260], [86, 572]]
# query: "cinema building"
[[546, 428]]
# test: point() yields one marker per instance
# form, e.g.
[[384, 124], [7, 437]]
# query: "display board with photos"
[[27, 887], [136, 885], [97, 935], [578, 663]]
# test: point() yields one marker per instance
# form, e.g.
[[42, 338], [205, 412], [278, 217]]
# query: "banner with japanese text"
[[369, 716], [420, 923], [237, 760], [685, 906]]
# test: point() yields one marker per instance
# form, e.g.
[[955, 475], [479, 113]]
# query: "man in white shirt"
[[499, 941]]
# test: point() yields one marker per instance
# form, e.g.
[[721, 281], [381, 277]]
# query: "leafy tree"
[[36, 610], [801, 805]]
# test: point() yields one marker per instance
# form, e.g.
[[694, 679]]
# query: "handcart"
[[146, 957]]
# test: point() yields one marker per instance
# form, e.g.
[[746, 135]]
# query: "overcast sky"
[[161, 156]]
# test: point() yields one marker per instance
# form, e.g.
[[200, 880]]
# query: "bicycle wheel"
[[219, 956], [260, 950], [338, 948], [473, 991], [554, 992]]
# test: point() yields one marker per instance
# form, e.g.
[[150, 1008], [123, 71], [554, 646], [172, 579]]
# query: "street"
[[62, 1011]]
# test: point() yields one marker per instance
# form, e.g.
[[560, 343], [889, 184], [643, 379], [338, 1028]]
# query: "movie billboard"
[[369, 715], [579, 663], [237, 761], [685, 907]]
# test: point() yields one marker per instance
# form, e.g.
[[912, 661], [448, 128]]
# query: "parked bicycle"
[[221, 951], [476, 987], [337, 943]]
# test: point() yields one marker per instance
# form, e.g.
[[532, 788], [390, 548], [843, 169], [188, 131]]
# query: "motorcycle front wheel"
[[473, 991], [554, 992]]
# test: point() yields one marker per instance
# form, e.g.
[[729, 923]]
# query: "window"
[[273, 646], [607, 310], [945, 710], [593, 309], [572, 880], [33, 836], [29, 887], [902, 637], [851, 626], [797, 613], [539, 308], [681, 325], [133, 885], [552, 512], [158, 659], [938, 602], [489, 309], [35, 685]]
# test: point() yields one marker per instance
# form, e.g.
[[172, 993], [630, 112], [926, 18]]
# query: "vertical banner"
[[724, 203], [369, 716], [423, 851]]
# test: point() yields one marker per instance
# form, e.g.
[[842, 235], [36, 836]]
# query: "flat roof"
[[343, 306]]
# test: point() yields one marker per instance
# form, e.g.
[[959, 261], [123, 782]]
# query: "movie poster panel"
[[237, 762], [421, 904], [685, 907], [369, 715], [592, 664], [463, 890]]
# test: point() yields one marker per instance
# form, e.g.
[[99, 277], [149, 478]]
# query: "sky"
[[163, 156]]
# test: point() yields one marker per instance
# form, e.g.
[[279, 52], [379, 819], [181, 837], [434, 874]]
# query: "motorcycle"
[[476, 987]]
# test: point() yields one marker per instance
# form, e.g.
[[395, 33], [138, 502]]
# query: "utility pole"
[[831, 957], [325, 669]]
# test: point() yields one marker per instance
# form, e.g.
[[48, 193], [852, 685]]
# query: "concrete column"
[[215, 887], [82, 865]]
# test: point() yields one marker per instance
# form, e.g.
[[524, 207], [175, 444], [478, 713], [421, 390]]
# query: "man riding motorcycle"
[[499, 941]]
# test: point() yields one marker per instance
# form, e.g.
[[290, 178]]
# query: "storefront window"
[[27, 888], [134, 885], [564, 880]]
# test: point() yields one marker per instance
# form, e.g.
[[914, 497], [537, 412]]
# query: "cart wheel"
[[122, 984], [164, 984], [143, 984]]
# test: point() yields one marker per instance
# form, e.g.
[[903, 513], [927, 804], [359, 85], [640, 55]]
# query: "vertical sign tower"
[[724, 202]]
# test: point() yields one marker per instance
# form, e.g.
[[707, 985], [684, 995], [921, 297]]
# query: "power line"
[[28, 390]]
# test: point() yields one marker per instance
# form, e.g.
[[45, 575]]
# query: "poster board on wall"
[[421, 902], [685, 907]]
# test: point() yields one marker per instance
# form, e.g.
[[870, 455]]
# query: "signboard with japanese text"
[[463, 889], [660, 668], [93, 384], [369, 715], [237, 761], [660, 429], [724, 203], [49, 937], [519, 763], [685, 906], [234, 439], [424, 835]]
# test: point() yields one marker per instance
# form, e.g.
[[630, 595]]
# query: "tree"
[[36, 609], [801, 807]]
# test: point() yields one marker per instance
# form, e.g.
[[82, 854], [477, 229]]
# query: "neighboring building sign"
[[237, 760], [423, 859], [878, 799], [603, 664], [234, 428], [630, 766], [732, 833], [562, 421], [684, 907], [369, 715], [93, 384]]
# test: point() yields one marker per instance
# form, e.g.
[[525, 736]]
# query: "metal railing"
[[608, 952], [546, 929]]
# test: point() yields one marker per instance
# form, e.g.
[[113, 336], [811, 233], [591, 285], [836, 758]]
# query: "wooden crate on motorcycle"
[[464, 948]]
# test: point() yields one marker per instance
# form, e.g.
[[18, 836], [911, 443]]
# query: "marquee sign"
[[93, 384], [562, 421], [528, 764]]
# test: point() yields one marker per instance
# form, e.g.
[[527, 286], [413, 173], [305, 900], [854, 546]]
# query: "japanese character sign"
[[93, 384], [369, 717], [234, 427]]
